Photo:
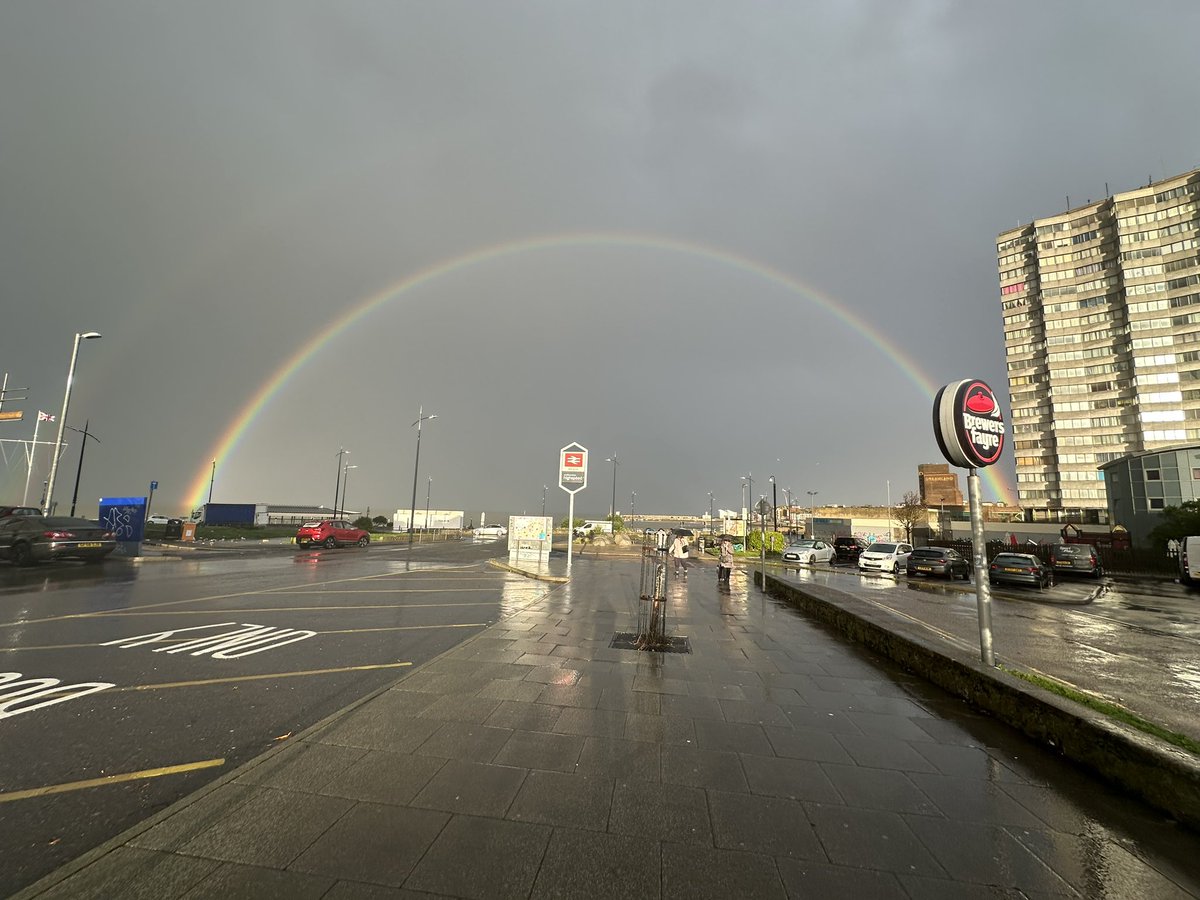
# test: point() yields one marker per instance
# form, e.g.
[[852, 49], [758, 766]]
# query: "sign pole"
[[983, 587], [570, 529]]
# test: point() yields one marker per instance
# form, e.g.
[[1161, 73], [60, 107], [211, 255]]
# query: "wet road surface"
[[162, 676]]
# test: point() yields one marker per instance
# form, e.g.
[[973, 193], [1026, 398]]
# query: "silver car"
[[810, 552]]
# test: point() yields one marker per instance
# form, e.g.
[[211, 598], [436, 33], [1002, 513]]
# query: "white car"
[[491, 531], [809, 551], [157, 520], [885, 557]]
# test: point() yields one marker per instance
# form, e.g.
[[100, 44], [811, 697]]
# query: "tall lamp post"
[[428, 488], [612, 513], [79, 470], [811, 506], [342, 451], [774, 505], [212, 479], [421, 417], [749, 479], [345, 485], [544, 489], [632, 502], [710, 517], [62, 421]]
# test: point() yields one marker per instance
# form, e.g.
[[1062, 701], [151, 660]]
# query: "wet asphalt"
[[304, 634]]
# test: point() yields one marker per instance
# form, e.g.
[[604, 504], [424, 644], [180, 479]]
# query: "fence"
[[1115, 562]]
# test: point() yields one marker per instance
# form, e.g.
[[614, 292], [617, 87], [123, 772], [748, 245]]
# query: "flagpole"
[[29, 459]]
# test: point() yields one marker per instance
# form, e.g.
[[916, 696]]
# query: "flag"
[[44, 417]]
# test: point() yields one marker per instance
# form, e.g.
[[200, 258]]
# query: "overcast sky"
[[694, 203]]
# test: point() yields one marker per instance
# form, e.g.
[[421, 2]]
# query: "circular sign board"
[[968, 424]]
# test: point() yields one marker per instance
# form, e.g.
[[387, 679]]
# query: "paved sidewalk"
[[533, 760]]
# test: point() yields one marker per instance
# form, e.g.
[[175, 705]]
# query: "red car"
[[331, 533]]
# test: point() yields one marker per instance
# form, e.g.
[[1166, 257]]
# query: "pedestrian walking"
[[679, 553], [724, 559]]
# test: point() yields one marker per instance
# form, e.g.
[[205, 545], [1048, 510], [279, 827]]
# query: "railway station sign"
[[572, 468]]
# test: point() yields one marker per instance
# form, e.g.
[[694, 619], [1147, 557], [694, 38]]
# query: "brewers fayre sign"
[[968, 424]]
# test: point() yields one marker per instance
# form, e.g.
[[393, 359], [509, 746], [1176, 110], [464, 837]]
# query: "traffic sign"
[[572, 468]]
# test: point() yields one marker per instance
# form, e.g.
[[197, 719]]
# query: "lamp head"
[[89, 335]]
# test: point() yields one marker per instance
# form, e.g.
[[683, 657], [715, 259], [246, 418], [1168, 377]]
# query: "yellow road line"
[[486, 590], [234, 678], [110, 779], [268, 609]]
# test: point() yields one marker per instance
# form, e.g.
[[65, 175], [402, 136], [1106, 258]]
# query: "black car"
[[940, 561], [1076, 559], [30, 539], [6, 511], [847, 549], [1020, 568]]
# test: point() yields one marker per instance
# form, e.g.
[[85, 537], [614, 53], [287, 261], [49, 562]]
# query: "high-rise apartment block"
[[1102, 333]]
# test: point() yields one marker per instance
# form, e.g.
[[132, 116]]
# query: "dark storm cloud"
[[212, 185]]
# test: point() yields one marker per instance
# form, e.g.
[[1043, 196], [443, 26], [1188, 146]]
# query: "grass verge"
[[1112, 710]]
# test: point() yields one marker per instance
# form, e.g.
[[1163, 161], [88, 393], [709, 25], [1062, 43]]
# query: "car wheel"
[[22, 554], [330, 542], [896, 569], [812, 559], [363, 541]]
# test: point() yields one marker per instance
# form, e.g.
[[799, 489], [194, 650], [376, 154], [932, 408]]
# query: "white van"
[[1189, 560]]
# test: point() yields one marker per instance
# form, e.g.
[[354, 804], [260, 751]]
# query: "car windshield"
[[882, 548], [803, 545], [1013, 559], [311, 525], [929, 553], [1073, 550]]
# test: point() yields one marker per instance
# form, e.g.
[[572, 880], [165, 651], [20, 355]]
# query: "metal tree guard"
[[652, 607]]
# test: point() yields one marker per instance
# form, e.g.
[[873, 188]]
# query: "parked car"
[[1076, 559], [847, 549], [6, 511], [943, 561], [884, 557], [490, 531], [809, 551], [157, 520], [1020, 568], [331, 533], [27, 539]]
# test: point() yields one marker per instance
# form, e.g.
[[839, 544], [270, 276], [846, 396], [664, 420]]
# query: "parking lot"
[[126, 686]]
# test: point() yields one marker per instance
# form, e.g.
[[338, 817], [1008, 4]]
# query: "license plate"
[[924, 568], [1018, 571], [1065, 565], [89, 545]]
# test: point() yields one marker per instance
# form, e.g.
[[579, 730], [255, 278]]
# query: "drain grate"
[[628, 640]]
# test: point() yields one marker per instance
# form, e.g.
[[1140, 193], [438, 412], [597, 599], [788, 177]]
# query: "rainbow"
[[229, 439]]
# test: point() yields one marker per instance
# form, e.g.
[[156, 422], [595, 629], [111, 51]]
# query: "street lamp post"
[[632, 503], [749, 479], [612, 513], [811, 507], [79, 469], [710, 516], [345, 487], [342, 451], [85, 336], [428, 488], [774, 505], [544, 489], [212, 479], [421, 417]]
